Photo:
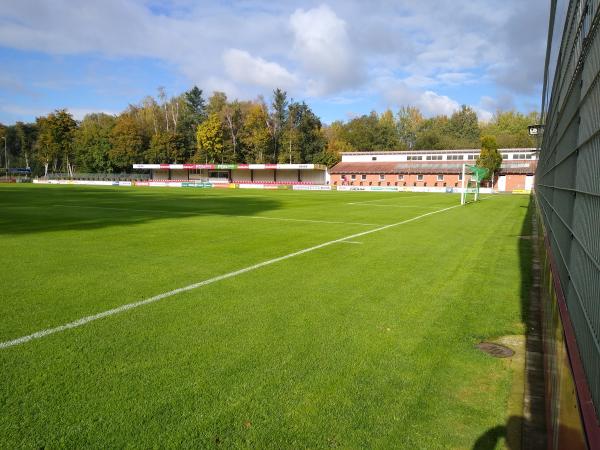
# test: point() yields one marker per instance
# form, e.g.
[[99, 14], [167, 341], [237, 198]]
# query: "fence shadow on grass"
[[35, 209], [527, 431]]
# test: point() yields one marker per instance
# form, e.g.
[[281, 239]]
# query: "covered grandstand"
[[238, 174], [431, 169]]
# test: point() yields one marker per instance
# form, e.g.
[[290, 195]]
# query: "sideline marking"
[[194, 213], [128, 306]]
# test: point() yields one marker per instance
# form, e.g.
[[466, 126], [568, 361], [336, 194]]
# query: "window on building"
[[414, 158], [400, 177], [472, 157], [374, 158], [440, 177], [353, 177], [363, 177], [504, 156], [419, 177], [456, 157], [460, 176], [219, 174], [381, 177]]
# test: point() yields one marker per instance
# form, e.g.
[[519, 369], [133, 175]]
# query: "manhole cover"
[[496, 350]]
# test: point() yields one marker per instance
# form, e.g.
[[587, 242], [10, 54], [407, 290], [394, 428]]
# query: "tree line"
[[190, 128]]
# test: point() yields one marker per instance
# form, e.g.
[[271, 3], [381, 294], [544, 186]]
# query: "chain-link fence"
[[568, 174]]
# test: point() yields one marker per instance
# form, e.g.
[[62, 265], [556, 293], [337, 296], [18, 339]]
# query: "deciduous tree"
[[209, 138], [92, 142], [490, 157], [126, 144], [255, 136]]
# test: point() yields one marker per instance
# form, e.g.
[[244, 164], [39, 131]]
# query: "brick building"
[[431, 169]]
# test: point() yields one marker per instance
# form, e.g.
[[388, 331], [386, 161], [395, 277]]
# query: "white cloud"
[[242, 67], [456, 78], [342, 49], [323, 47], [483, 114], [398, 93], [433, 103]]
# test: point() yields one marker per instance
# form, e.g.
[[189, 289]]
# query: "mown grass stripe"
[[128, 306], [192, 213]]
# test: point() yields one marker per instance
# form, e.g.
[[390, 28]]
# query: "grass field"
[[366, 342]]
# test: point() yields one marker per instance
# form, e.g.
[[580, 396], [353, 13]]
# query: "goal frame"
[[476, 178]]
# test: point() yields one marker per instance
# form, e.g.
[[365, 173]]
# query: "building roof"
[[232, 166], [424, 167], [423, 152]]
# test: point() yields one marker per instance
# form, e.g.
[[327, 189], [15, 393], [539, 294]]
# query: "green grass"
[[364, 345]]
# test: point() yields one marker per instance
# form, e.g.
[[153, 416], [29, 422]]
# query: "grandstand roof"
[[232, 166]]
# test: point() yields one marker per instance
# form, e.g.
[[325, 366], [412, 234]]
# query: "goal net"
[[471, 180]]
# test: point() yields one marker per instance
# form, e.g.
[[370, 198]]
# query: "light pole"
[[5, 158]]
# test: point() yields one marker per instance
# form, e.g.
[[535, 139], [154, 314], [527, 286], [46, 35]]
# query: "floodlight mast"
[[463, 196], [5, 158]]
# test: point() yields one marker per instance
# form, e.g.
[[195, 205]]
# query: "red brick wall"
[[395, 180], [513, 182]]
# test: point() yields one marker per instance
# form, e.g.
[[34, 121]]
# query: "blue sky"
[[344, 58]]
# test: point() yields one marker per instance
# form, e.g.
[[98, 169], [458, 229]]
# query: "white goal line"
[[111, 312]]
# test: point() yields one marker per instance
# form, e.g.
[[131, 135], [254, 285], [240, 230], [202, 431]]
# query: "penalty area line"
[[111, 312]]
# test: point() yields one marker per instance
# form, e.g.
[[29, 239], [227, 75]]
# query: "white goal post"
[[471, 186]]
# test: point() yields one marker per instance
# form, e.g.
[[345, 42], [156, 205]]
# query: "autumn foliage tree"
[[490, 157], [209, 138], [187, 127], [126, 144]]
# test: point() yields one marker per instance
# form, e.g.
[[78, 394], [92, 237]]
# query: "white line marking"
[[197, 212], [128, 306]]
